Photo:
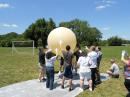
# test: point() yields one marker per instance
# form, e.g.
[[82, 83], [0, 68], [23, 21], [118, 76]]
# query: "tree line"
[[40, 29]]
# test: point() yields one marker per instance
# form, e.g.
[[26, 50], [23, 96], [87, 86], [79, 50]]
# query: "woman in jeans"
[[50, 59], [126, 60]]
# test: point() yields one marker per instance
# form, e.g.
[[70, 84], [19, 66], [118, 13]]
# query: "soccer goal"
[[23, 47]]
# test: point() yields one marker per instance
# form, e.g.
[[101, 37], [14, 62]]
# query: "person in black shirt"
[[61, 63], [41, 65], [77, 54]]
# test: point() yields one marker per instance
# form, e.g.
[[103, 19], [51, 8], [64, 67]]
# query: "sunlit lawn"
[[21, 67]]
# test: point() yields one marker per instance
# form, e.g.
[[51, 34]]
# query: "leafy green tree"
[[11, 35], [50, 25], [124, 41], [94, 36], [6, 40], [114, 41], [40, 30], [103, 43], [32, 33]]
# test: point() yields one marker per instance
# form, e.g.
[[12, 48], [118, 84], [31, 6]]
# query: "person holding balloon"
[[64, 40], [50, 59], [77, 54], [68, 55]]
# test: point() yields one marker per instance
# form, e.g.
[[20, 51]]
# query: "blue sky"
[[111, 17]]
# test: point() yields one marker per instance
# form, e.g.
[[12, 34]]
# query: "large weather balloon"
[[59, 38]]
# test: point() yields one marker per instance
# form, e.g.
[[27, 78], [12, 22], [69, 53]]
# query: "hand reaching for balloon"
[[123, 53], [56, 50], [86, 48], [60, 42]]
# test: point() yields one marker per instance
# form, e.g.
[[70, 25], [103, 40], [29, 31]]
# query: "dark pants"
[[128, 95], [98, 74], [50, 77], [93, 77], [127, 84]]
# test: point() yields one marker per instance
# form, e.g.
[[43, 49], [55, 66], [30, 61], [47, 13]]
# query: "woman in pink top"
[[126, 60]]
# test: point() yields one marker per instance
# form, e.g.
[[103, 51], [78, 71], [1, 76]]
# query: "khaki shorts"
[[84, 75]]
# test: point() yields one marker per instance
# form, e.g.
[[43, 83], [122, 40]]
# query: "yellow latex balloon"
[[59, 38]]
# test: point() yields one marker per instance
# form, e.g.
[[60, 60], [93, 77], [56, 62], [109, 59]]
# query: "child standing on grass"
[[41, 65], [50, 59]]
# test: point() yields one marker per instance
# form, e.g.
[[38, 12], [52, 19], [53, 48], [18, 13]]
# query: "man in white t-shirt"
[[84, 70], [93, 66], [114, 70]]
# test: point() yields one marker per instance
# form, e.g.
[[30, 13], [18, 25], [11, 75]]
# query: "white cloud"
[[106, 28], [9, 25], [102, 4], [110, 2], [4, 5], [100, 7], [14, 25]]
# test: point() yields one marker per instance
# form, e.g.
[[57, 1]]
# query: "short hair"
[[49, 55], [99, 48], [41, 50], [112, 60], [93, 48], [84, 53], [68, 48]]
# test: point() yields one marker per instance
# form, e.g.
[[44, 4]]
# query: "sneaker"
[[41, 80], [70, 89], [81, 90], [62, 86], [44, 79], [90, 89], [98, 82]]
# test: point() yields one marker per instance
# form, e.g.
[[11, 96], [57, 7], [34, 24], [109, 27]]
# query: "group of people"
[[88, 62]]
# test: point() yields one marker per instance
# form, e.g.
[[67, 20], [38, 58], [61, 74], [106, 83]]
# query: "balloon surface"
[[59, 38]]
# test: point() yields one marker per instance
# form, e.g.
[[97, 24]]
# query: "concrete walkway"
[[34, 88]]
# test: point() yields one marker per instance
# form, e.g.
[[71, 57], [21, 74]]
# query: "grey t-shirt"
[[68, 55], [115, 68]]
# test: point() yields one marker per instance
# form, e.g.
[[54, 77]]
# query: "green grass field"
[[21, 67]]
